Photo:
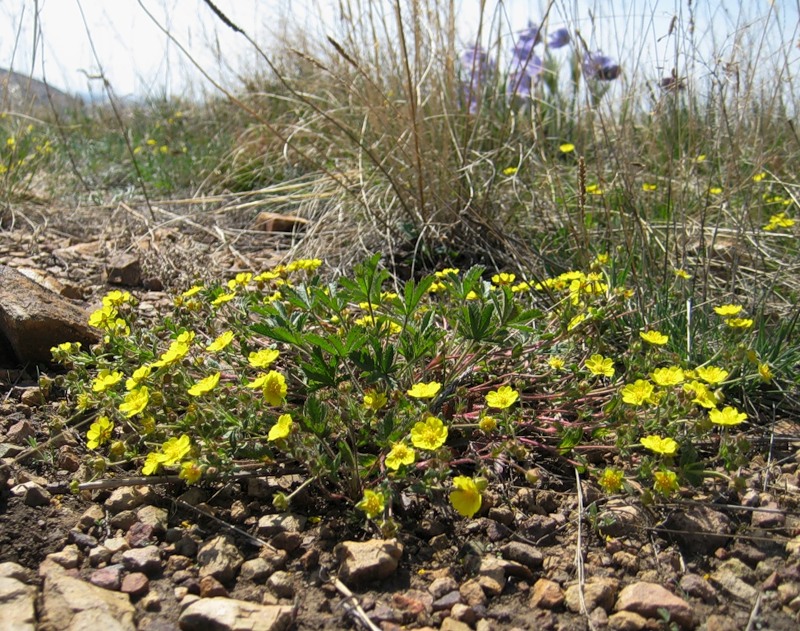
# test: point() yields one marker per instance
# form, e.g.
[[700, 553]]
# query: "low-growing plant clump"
[[436, 388]]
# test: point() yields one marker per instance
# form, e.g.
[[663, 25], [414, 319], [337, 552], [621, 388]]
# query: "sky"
[[71, 43]]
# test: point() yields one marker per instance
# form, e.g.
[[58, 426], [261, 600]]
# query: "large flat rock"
[[33, 319]]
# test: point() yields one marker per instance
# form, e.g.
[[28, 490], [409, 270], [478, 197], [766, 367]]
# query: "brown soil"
[[436, 543]]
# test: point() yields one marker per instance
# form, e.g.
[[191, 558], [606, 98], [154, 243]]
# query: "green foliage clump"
[[377, 389]]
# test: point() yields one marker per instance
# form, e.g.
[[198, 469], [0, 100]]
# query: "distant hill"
[[21, 93]]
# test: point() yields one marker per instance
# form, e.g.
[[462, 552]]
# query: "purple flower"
[[523, 48], [559, 38], [477, 67], [596, 65]]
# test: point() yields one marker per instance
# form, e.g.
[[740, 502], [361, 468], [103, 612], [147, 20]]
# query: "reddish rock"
[[546, 594], [108, 577], [211, 587], [647, 598], [273, 222], [135, 584]]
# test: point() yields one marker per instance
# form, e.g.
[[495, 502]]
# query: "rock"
[[726, 580], [619, 519], [211, 587], [647, 598], [256, 570], [124, 498], [447, 601], [146, 560], [539, 528], [273, 222], [280, 584], [770, 517], [20, 432], [135, 584], [626, 621], [108, 577], [451, 624], [32, 397], [699, 528], [72, 604], [82, 540], [362, 561], [123, 520], [155, 517], [116, 544], [716, 622], [69, 557], [124, 269], [17, 605], [698, 587], [227, 614], [140, 535], [219, 558], [9, 569], [271, 525], [546, 594], [472, 593], [597, 592], [33, 319], [32, 494], [526, 554], [442, 585]]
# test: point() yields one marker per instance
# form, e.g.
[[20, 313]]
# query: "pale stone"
[[647, 598], [362, 561], [227, 614]]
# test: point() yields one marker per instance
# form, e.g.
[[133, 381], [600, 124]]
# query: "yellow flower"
[[556, 363], [700, 158], [240, 280], [611, 480], [273, 387], [682, 273], [727, 416], [105, 379], [424, 390], [503, 278], [175, 449], [205, 385], [637, 393], [487, 424], [728, 310], [703, 396], [647, 187], [599, 365], [175, 353], [502, 398], [594, 189], [138, 376], [192, 291], [152, 463], [104, 318], [374, 400], [566, 147], [665, 446], [576, 321], [466, 497], [308, 265], [654, 337], [739, 323], [429, 434], [185, 337], [282, 428], [759, 176], [665, 483], [711, 374], [436, 287], [447, 271], [471, 295], [135, 402], [221, 342], [116, 298], [99, 432], [765, 372], [372, 504], [669, 376], [263, 358], [190, 472], [715, 190], [400, 454], [510, 171], [223, 298], [779, 220]]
